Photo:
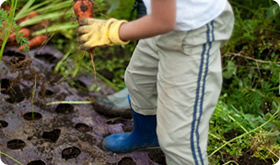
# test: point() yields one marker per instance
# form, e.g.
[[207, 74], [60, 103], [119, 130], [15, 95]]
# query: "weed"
[[232, 132], [10, 157], [8, 24]]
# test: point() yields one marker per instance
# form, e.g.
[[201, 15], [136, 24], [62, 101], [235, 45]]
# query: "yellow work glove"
[[97, 32]]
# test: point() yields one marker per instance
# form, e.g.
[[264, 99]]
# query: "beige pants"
[[178, 77]]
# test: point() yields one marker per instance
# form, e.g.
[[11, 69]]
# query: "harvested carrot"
[[84, 9], [12, 38], [36, 41]]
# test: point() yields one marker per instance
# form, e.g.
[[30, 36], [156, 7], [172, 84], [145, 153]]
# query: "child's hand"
[[97, 32]]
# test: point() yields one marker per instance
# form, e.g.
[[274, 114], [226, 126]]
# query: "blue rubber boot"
[[143, 136]]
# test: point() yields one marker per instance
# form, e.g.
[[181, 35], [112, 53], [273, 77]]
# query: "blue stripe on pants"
[[195, 129]]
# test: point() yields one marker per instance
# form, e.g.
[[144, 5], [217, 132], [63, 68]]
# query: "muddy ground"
[[35, 133]]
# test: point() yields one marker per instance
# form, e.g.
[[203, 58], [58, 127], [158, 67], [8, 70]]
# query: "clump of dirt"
[[247, 159], [231, 134], [35, 133]]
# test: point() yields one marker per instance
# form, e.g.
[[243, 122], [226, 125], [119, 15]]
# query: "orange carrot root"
[[92, 62], [12, 38], [36, 41], [84, 9]]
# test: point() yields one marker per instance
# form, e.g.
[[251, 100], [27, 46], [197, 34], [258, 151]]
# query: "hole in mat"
[[126, 161], [14, 54], [64, 108], [5, 84], [20, 62], [71, 152], [80, 85], [47, 93], [12, 90], [17, 59], [36, 162], [46, 57], [83, 127], [3, 124], [52, 135], [32, 116], [14, 99], [157, 156], [15, 144]]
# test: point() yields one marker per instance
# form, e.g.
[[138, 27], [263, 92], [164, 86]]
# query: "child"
[[174, 77]]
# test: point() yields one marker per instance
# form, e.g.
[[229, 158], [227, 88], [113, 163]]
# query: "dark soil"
[[247, 155], [37, 134], [247, 159], [231, 134]]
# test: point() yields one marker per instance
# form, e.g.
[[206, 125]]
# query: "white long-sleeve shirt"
[[192, 14]]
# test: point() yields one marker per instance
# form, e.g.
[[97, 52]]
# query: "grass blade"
[[55, 7], [69, 102], [24, 10], [40, 18], [56, 28], [18, 162], [276, 114]]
